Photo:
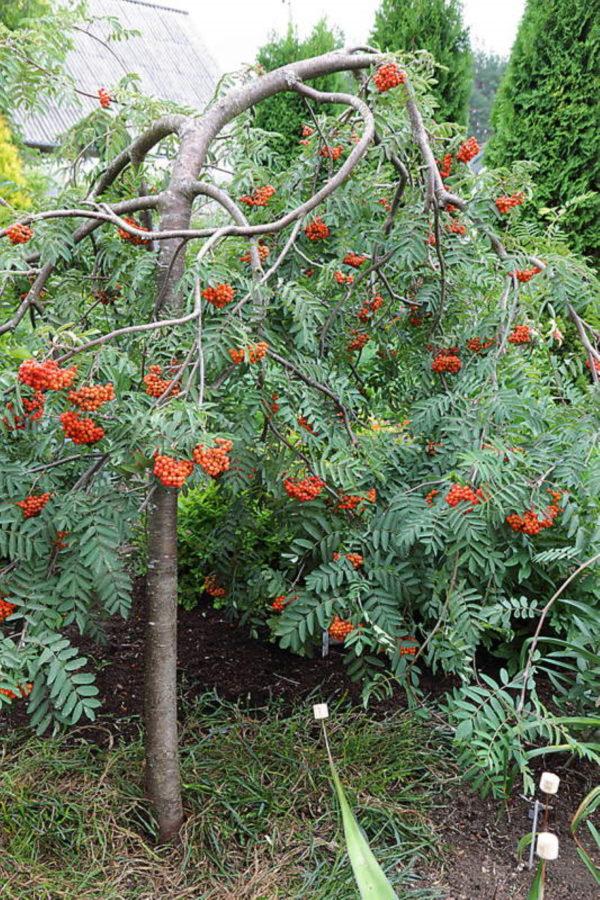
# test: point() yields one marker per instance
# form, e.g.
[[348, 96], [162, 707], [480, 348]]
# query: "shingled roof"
[[169, 56]]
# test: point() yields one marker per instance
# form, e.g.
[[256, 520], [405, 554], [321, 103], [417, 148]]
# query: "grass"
[[261, 816]]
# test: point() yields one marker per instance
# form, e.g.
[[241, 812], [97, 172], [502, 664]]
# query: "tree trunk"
[[163, 785]]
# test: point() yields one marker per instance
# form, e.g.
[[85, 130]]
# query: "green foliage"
[[546, 108], [436, 26], [283, 115], [488, 71]]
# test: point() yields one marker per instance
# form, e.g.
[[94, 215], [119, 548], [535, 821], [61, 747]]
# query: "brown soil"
[[477, 837]]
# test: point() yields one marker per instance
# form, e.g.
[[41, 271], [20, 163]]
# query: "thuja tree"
[[370, 346]]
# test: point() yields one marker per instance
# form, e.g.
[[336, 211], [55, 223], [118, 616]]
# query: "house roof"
[[169, 56]]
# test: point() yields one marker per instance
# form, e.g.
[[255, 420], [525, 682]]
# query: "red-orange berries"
[[24, 691], [254, 352], [279, 603], [351, 501], [59, 540], [369, 307], [19, 234], [445, 167], [307, 131], [80, 431], [383, 201], [355, 260], [263, 252], [132, 238], [525, 275], [359, 340], [155, 385], [506, 203], [46, 376], [219, 296], [530, 522], [304, 423], [317, 230], [521, 334], [104, 98], [93, 397], [259, 197], [331, 152], [456, 228], [446, 362], [303, 489], [33, 505], [431, 239], [356, 560], [6, 609], [388, 76], [459, 493], [429, 498], [596, 364], [274, 405], [476, 345], [34, 410], [343, 279], [213, 587], [214, 460], [468, 150], [172, 472], [340, 629]]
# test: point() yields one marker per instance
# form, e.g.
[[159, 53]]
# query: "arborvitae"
[[285, 114], [547, 110], [437, 26], [489, 69]]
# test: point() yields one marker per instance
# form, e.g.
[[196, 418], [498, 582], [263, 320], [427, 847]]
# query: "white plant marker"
[[321, 711], [549, 783], [547, 845]]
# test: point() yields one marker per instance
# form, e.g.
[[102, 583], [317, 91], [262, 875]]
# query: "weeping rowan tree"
[[369, 350]]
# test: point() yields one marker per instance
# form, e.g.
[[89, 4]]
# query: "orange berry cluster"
[[104, 98], [331, 152], [351, 501], [369, 307], [304, 423], [46, 376], [383, 201], [59, 540], [263, 252], [24, 691], [521, 334], [456, 228], [505, 203], [279, 603], [132, 238], [275, 406], [219, 296], [358, 341], [460, 493], [307, 131], [445, 166], [430, 497], [343, 279], [355, 559], [525, 275], [388, 76], [155, 385], [80, 431], [19, 234], [34, 410], [596, 364], [172, 472], [303, 489], [468, 150], [476, 345], [531, 523], [317, 230], [214, 460], [93, 397], [408, 649], [259, 197], [446, 362], [255, 352], [355, 260], [6, 609], [340, 629], [33, 505], [212, 586], [431, 239]]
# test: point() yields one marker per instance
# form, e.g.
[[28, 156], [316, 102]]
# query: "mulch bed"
[[478, 836]]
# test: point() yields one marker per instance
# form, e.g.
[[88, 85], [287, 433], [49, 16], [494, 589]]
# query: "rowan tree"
[[268, 340]]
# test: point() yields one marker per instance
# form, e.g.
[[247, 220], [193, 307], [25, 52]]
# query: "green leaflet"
[[536, 891], [370, 877]]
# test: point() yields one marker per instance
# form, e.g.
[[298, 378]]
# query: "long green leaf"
[[536, 891], [370, 878]]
